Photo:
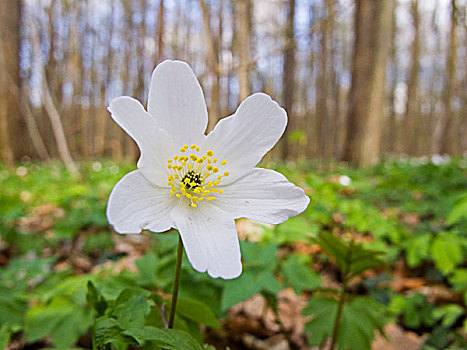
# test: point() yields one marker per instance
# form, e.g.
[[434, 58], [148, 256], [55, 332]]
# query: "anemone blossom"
[[197, 183]]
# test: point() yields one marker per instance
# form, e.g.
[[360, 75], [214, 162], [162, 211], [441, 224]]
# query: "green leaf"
[[459, 279], [168, 338], [131, 307], [335, 247], [147, 269], [41, 320], [360, 317], [259, 255], [68, 331], [447, 252], [239, 289], [197, 311], [107, 330], [4, 336], [415, 310], [418, 249], [12, 309], [322, 312], [95, 299], [363, 259], [458, 212], [448, 314], [297, 275], [64, 320]]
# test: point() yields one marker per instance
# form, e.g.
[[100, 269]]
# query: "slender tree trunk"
[[212, 62], [367, 95], [160, 32], [243, 29], [411, 110], [391, 135], [310, 120], [51, 110], [442, 137], [323, 117], [288, 77], [14, 144]]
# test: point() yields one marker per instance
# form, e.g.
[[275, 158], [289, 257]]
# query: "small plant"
[[348, 320]]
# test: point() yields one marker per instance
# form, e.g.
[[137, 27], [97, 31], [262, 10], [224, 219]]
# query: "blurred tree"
[[212, 62], [409, 130], [160, 32], [288, 77], [243, 34], [367, 93], [14, 141], [444, 132], [325, 118]]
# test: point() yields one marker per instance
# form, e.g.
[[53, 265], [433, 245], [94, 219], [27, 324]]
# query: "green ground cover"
[[389, 245]]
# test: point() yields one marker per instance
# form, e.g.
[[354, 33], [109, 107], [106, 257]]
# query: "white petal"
[[262, 195], [177, 102], [244, 138], [210, 239], [136, 204], [154, 143]]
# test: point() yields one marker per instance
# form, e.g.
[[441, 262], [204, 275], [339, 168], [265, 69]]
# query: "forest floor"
[[55, 238]]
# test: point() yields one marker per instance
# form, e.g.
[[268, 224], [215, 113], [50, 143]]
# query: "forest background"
[[359, 80]]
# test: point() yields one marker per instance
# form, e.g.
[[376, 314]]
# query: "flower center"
[[195, 176]]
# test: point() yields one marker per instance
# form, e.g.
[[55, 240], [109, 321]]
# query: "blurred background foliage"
[[389, 241]]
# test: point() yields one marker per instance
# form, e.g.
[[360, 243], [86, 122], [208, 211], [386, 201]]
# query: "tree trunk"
[[160, 33], [442, 137], [51, 110], [411, 111], [288, 77], [243, 28], [323, 116], [212, 62], [367, 94], [14, 143]]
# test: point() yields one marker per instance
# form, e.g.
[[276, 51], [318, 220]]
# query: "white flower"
[[195, 183], [344, 180]]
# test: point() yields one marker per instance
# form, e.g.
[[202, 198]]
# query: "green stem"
[[178, 269], [342, 294], [340, 307]]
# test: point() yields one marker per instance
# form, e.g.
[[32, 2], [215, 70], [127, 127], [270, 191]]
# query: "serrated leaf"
[[360, 317], [168, 338], [131, 307], [458, 212], [12, 310], [335, 247], [4, 336], [418, 249], [95, 299], [299, 276], [41, 320], [70, 327], [448, 314], [147, 269], [106, 330], [322, 312], [197, 311], [239, 289], [459, 279], [257, 254], [363, 259], [446, 251], [62, 319]]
